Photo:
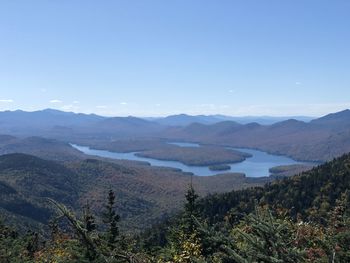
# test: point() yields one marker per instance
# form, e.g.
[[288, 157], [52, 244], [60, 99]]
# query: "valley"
[[145, 193], [148, 164], [319, 140]]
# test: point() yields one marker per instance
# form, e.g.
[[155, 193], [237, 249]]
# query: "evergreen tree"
[[185, 243], [111, 218], [11, 246], [263, 238], [54, 229], [96, 249], [191, 210], [338, 231], [89, 219], [32, 244]]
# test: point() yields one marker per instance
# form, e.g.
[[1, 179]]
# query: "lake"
[[256, 166]]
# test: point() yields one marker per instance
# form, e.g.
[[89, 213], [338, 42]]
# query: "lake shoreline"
[[256, 166]]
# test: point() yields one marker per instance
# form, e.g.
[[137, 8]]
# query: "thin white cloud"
[[76, 102], [123, 103], [101, 107], [6, 101], [55, 101], [231, 91], [43, 90], [297, 83]]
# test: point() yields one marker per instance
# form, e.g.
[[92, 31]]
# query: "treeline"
[[304, 218], [72, 238], [263, 235]]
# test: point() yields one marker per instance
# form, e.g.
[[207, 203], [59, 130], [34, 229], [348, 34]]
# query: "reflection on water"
[[185, 144]]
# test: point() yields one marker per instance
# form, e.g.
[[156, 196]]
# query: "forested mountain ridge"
[[319, 140], [145, 193], [304, 218], [310, 192], [25, 182], [48, 149]]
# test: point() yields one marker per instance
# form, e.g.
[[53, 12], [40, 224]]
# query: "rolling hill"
[[48, 149], [26, 180], [145, 194], [314, 190]]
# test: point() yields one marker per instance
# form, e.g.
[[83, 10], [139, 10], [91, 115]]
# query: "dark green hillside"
[[25, 180], [311, 192]]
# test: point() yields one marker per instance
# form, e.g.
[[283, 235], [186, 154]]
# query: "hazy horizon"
[[177, 114]]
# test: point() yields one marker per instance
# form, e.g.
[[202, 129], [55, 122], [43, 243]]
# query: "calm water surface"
[[256, 166], [185, 144]]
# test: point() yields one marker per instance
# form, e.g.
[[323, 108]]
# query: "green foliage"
[[184, 239], [281, 222], [263, 238], [338, 231], [191, 211], [16, 248], [89, 219], [111, 218], [100, 246], [311, 194]]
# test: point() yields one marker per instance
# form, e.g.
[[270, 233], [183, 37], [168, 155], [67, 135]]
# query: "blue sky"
[[153, 58]]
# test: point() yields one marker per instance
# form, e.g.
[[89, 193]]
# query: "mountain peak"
[[341, 117]]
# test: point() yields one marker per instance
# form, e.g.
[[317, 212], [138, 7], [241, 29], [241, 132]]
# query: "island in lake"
[[220, 167], [196, 156]]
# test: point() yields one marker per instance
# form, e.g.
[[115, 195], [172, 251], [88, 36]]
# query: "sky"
[[156, 58]]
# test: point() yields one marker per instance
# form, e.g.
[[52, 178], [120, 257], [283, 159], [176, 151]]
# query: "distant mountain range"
[[184, 119], [48, 118], [319, 139], [36, 122], [54, 121]]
